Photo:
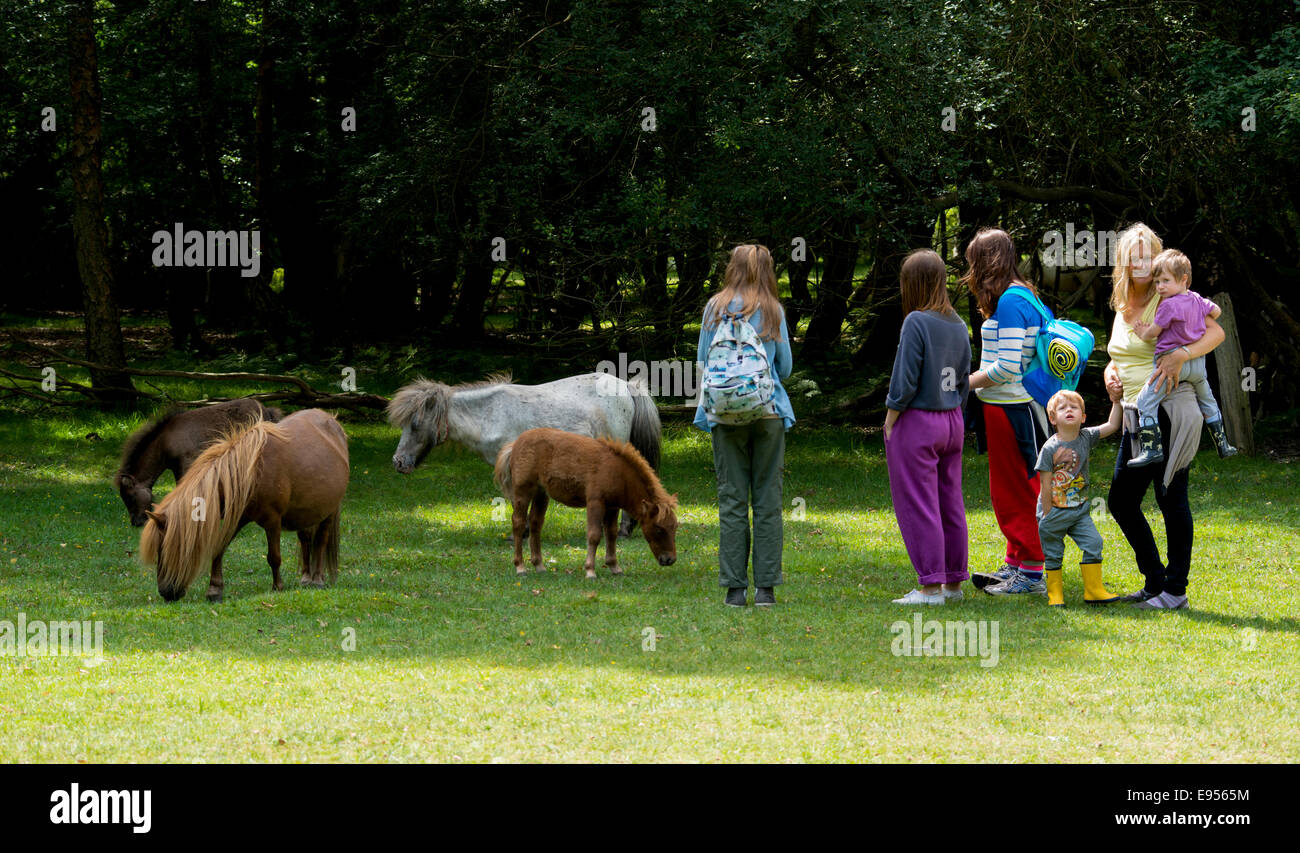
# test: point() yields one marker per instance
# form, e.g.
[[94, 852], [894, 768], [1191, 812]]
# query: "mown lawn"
[[456, 659]]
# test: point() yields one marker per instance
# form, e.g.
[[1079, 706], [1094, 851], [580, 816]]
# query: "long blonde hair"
[[1129, 239], [750, 277]]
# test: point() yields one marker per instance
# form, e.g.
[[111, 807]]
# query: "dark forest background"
[[620, 149]]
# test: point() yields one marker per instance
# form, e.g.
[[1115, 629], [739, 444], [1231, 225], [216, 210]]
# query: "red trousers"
[[1014, 493]]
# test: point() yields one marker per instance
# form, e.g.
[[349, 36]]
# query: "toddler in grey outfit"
[[1063, 505]]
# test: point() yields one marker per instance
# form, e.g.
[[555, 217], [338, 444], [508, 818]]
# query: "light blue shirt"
[[778, 355]]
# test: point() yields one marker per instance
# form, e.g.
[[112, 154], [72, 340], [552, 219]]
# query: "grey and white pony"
[[485, 416]]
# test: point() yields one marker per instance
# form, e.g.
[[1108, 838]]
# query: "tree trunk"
[[800, 297], [103, 320], [264, 299], [476, 282], [692, 272], [435, 289], [655, 274], [1233, 397], [202, 26], [832, 305]]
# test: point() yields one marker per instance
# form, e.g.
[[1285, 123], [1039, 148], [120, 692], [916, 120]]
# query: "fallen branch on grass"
[[301, 394]]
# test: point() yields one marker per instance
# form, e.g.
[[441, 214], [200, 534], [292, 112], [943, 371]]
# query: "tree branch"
[[303, 395], [1042, 195], [1047, 195]]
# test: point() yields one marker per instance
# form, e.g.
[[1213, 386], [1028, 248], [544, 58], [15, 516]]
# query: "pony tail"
[[331, 556], [501, 472], [647, 430]]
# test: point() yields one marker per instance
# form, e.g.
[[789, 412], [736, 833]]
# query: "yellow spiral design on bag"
[[1062, 358]]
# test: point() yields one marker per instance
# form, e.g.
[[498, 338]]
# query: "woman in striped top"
[[1012, 431]]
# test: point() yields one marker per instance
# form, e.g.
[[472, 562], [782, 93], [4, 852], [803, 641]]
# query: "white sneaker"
[[918, 597], [953, 595]]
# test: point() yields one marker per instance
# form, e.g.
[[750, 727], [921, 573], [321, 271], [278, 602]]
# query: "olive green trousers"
[[748, 461]]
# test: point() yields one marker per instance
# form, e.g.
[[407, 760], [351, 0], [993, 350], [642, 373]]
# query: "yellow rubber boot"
[[1094, 592], [1055, 587]]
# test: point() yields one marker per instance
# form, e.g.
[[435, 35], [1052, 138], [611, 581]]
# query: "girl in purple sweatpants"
[[924, 430]]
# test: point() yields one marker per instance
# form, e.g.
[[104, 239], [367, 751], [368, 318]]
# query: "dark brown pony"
[[172, 443], [290, 475], [600, 474]]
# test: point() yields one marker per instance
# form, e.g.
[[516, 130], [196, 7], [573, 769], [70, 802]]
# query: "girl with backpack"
[[924, 430], [1012, 431], [744, 351]]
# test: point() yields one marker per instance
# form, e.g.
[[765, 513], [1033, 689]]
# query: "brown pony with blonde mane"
[[602, 475], [290, 475]]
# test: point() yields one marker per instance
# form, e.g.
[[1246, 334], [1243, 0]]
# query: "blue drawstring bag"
[[1063, 350]]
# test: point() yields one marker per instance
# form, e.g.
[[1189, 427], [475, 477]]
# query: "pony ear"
[[158, 518], [650, 510], [126, 481]]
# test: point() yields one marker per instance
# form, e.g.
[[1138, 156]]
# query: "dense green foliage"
[[771, 121]]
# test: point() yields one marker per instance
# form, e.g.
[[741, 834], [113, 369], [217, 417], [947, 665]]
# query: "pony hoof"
[[591, 575], [520, 570], [214, 597], [615, 570], [313, 584]]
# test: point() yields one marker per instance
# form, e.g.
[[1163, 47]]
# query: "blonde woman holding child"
[[1133, 365]]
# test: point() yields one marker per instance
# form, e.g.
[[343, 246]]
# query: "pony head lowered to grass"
[[601, 475], [172, 442], [199, 517], [290, 475], [423, 410]]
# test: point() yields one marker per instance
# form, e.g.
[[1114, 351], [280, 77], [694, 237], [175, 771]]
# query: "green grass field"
[[457, 659]]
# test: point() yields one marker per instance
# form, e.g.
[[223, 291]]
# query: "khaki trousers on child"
[[748, 461]]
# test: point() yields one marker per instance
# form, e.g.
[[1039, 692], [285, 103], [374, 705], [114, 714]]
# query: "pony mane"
[[428, 396], [224, 477], [643, 470], [140, 439]]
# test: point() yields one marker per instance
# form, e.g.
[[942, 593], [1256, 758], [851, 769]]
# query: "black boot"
[[1220, 436], [1152, 451]]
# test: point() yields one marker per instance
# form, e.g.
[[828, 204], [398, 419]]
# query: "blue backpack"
[[1063, 350]]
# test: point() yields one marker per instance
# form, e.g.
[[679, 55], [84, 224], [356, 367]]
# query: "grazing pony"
[[602, 475], [290, 475], [172, 442], [485, 416]]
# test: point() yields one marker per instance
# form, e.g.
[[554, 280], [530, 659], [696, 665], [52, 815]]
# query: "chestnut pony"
[[600, 474], [290, 475]]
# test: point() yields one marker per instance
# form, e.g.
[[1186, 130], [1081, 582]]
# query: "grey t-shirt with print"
[[1068, 463]]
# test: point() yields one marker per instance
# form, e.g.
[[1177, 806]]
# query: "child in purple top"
[[1179, 321]]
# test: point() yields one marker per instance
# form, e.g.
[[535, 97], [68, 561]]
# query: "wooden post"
[[1234, 401]]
